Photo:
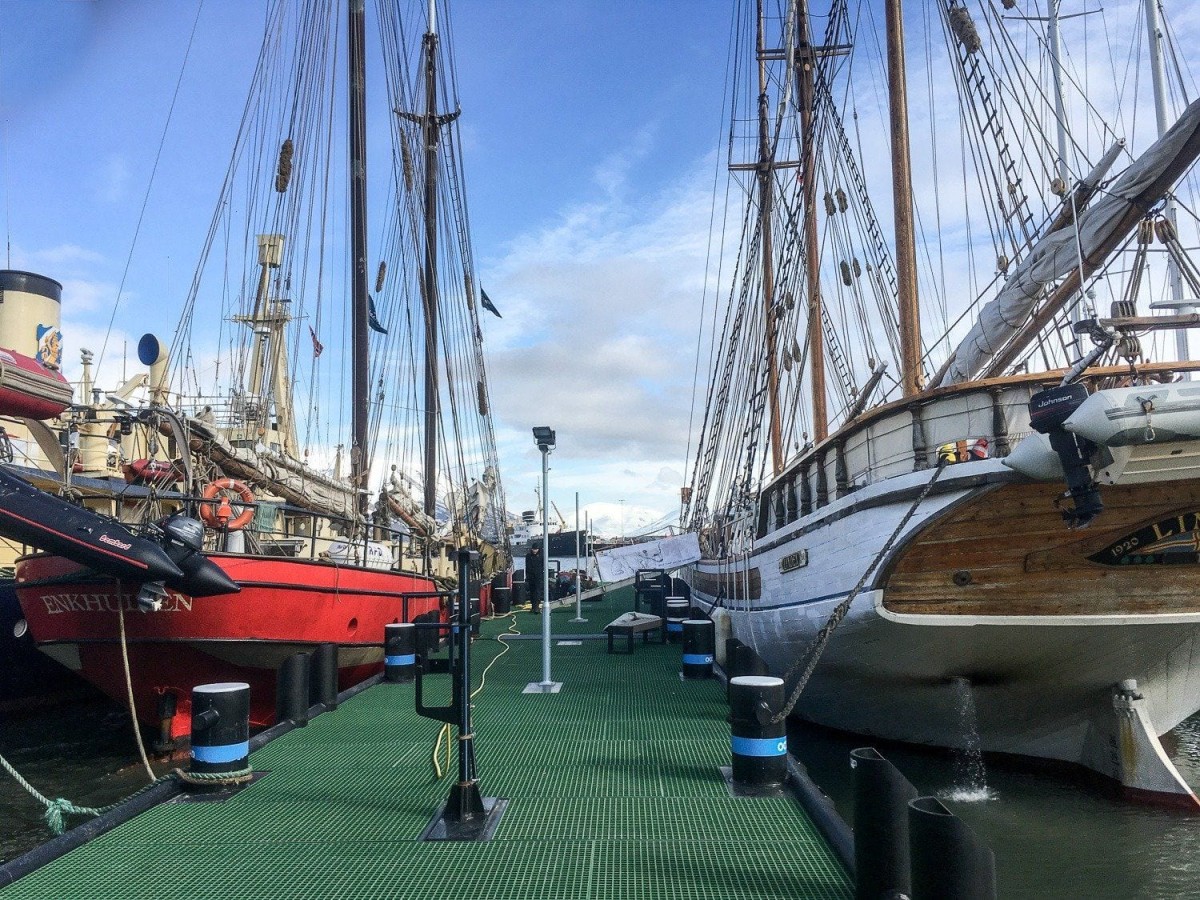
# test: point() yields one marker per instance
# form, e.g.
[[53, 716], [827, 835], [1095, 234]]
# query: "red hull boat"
[[285, 606]]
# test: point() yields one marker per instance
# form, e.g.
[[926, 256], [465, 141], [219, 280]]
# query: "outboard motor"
[[1048, 410], [183, 539]]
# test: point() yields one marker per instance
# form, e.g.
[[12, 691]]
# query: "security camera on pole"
[[544, 436]]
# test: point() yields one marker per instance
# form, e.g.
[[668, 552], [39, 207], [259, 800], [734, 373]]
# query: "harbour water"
[[1053, 836]]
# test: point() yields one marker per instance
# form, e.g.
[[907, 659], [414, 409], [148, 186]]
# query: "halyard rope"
[[818, 647]]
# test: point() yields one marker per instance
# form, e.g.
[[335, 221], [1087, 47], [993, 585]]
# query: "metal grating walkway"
[[613, 784]]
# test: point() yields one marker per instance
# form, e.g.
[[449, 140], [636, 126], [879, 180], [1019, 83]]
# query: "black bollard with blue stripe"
[[758, 743], [699, 644], [677, 611], [399, 652], [220, 728]]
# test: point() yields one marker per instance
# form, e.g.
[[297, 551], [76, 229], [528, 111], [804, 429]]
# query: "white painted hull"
[[1042, 684]]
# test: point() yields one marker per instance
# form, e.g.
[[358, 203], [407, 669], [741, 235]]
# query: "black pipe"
[[881, 798], [292, 689], [948, 861], [323, 676]]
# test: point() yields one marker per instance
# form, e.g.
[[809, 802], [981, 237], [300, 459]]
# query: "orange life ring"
[[220, 514]]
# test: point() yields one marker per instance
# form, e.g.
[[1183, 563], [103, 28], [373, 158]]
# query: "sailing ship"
[[900, 522], [215, 453]]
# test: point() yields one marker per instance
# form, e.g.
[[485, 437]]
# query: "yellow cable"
[[444, 731]]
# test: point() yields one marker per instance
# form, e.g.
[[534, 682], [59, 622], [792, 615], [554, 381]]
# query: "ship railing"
[[903, 436]]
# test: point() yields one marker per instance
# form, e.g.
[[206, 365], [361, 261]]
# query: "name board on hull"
[[1173, 541]]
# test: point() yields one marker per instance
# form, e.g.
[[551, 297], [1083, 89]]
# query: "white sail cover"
[[620, 563], [1057, 253]]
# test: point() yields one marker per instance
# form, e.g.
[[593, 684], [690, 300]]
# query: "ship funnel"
[[153, 353]]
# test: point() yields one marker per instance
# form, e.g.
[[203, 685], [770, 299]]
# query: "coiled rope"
[[814, 652]]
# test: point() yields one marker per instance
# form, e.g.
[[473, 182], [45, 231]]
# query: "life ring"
[[220, 514]]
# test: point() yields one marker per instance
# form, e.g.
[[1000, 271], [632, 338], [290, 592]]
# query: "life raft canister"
[[219, 514]]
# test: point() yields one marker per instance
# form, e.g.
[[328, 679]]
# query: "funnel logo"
[[49, 347]]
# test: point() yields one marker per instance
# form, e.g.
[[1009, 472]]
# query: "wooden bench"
[[632, 623]]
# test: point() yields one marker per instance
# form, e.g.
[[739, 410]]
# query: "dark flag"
[[317, 345], [487, 303], [372, 319]]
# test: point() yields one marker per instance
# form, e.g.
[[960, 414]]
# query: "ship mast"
[[816, 334], [360, 464], [1159, 84], [431, 131], [911, 377], [765, 171]]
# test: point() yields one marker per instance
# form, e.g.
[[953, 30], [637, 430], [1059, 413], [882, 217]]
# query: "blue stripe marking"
[[697, 659], [406, 659], [223, 753], [743, 746], [672, 626]]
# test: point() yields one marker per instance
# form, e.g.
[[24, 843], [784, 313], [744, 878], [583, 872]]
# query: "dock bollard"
[[291, 690], [323, 676], [947, 859], [399, 652], [501, 600], [677, 611], [698, 638], [881, 797], [220, 727], [758, 744], [744, 660]]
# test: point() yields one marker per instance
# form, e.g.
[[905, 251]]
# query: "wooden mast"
[[765, 172], [431, 130], [360, 464], [812, 263], [911, 378]]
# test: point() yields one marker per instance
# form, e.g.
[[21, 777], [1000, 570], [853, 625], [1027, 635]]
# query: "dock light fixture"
[[544, 436]]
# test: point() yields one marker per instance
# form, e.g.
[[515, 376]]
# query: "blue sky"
[[584, 124], [591, 132]]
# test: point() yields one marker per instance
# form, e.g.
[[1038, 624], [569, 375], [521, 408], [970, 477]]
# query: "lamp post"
[[544, 436]]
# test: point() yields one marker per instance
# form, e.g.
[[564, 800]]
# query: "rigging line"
[[150, 183], [7, 182]]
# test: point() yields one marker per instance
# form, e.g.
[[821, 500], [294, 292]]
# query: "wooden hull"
[[285, 606], [984, 583]]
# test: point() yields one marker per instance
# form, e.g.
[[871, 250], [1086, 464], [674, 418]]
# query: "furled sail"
[[1101, 228], [283, 476]]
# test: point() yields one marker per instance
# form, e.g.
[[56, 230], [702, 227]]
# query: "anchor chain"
[[813, 654]]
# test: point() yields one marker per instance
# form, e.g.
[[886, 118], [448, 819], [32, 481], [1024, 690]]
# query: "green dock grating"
[[614, 790]]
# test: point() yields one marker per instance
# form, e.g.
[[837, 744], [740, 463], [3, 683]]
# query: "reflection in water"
[[1053, 836]]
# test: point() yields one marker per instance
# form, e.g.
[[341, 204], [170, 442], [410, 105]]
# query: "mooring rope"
[[818, 647], [137, 731], [58, 809]]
